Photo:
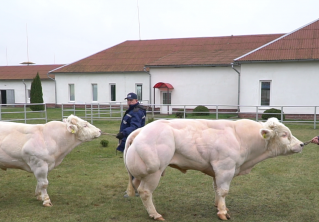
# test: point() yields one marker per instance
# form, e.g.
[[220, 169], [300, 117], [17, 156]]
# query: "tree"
[[36, 95]]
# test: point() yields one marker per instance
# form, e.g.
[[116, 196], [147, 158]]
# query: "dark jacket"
[[133, 119]]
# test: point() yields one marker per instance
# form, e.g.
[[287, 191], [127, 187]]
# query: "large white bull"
[[219, 148], [42, 147]]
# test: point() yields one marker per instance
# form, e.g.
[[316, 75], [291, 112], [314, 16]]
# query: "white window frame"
[[94, 92], [164, 100], [261, 91], [70, 93], [139, 95], [112, 84]]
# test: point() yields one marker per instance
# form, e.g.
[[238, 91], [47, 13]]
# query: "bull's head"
[[279, 139], [83, 130]]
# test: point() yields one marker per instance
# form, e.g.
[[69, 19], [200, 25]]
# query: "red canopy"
[[163, 85]]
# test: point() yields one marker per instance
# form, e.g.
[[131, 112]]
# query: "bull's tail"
[[130, 189]]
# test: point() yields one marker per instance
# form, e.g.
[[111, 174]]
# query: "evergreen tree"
[[36, 95]]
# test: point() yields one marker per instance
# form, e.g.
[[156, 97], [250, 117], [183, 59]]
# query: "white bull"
[[42, 147], [219, 148]]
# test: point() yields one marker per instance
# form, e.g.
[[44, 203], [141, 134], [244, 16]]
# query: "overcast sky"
[[64, 31]]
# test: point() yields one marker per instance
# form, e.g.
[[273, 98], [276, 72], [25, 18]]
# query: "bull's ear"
[[72, 128], [266, 134], [74, 121]]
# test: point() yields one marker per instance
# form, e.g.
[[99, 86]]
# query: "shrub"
[[201, 111], [36, 95], [104, 143], [180, 114], [272, 113], [149, 120]]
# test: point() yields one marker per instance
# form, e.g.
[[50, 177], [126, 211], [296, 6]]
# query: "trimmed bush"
[[272, 113], [201, 111], [104, 143], [36, 95], [180, 114]]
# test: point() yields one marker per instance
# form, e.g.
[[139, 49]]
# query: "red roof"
[[301, 44], [26, 72], [133, 56]]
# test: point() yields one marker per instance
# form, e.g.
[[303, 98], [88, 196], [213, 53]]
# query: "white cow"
[[42, 147], [222, 149]]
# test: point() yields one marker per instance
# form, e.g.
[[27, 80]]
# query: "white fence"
[[116, 110], [9, 113]]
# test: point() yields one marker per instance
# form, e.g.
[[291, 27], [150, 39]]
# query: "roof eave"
[[108, 72], [282, 60], [186, 66]]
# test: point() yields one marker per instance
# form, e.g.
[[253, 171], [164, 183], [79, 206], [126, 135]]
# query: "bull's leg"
[[41, 172], [221, 186], [215, 189], [147, 186]]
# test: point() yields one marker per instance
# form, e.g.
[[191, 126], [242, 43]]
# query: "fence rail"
[[116, 110], [10, 113]]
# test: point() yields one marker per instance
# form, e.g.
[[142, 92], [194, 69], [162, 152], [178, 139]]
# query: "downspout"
[[150, 88], [55, 96], [238, 99], [25, 92]]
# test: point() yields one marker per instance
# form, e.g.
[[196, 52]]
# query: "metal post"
[[282, 115], [315, 118], [25, 113], [257, 113], [62, 110], [91, 113], [121, 110], [184, 112], [217, 112], [46, 115]]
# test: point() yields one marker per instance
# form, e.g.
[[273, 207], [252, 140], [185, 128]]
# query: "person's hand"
[[120, 136], [315, 140]]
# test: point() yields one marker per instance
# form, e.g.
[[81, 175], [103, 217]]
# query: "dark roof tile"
[[132, 56], [26, 71], [302, 44]]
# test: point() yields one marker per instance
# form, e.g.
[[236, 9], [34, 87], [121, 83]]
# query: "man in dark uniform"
[[133, 119]]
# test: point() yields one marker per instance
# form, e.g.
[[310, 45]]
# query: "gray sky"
[[64, 31]]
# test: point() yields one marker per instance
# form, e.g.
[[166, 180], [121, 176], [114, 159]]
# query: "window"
[[71, 92], [166, 98], [29, 93], [94, 92], [139, 91], [265, 94], [113, 92]]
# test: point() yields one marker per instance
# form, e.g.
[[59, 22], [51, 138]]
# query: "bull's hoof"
[[160, 218], [223, 216], [48, 205], [39, 197]]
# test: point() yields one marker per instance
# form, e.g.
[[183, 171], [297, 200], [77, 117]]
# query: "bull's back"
[[13, 138]]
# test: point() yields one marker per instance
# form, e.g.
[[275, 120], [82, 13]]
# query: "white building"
[[15, 83], [283, 72], [198, 69]]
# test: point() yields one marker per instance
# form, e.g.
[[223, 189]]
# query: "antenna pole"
[[7, 55], [138, 16], [27, 43]]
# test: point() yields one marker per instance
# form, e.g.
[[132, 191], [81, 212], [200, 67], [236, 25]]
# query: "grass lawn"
[[89, 186]]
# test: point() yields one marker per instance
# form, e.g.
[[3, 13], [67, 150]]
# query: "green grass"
[[89, 186]]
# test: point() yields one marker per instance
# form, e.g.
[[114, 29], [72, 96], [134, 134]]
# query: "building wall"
[[292, 84], [20, 89], [125, 83], [200, 85]]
